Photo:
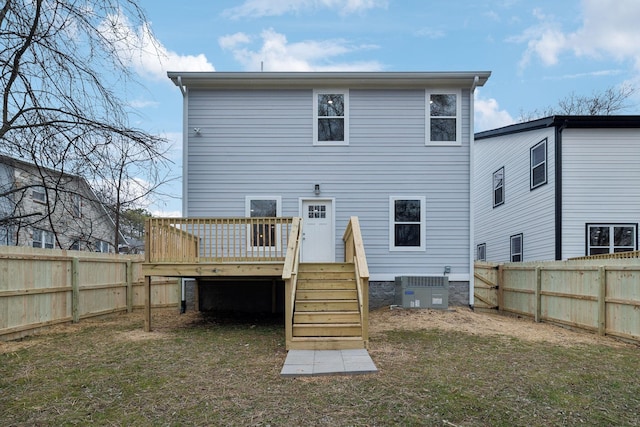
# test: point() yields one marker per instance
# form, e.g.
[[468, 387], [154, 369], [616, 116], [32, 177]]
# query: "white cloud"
[[609, 29], [488, 114], [277, 54], [139, 49], [258, 8], [431, 33]]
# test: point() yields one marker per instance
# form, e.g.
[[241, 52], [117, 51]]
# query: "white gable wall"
[[530, 212], [601, 182], [260, 142]]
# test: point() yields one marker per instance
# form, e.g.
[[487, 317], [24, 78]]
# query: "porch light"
[[316, 189]]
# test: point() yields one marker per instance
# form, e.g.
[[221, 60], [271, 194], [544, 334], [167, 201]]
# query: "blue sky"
[[538, 51]]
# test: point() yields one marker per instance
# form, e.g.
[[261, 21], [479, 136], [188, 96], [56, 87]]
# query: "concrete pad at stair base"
[[327, 362]]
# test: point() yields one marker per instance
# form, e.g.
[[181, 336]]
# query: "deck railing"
[[290, 275], [616, 255], [354, 252], [193, 240]]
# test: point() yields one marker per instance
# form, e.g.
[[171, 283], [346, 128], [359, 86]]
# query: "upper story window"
[[407, 223], [498, 187], [76, 205], [539, 164], [331, 117], [611, 238], [39, 194], [102, 246], [443, 121], [42, 239], [516, 248], [481, 252]]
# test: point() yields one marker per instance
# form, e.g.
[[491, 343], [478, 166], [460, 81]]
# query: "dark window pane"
[[263, 208], [443, 105], [599, 236], [623, 236], [498, 197], [331, 105], [516, 245], [539, 175], [443, 129], [407, 211], [598, 251], [263, 235], [407, 235], [623, 250], [538, 155], [516, 258], [330, 129]]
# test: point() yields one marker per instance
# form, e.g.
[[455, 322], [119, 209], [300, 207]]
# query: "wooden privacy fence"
[[44, 287], [599, 295]]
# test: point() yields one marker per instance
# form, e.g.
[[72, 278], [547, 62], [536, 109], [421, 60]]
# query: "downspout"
[[185, 147], [558, 188], [471, 194]]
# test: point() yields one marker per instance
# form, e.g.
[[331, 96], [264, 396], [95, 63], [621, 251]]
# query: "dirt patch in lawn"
[[462, 319]]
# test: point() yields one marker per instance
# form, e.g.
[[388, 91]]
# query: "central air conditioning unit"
[[422, 291]]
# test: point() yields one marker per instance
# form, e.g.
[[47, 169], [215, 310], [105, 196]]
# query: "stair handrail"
[[290, 275], [354, 252]]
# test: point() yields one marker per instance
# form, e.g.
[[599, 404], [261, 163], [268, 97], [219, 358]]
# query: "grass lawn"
[[435, 368]]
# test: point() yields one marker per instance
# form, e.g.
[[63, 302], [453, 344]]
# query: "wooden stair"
[[326, 314]]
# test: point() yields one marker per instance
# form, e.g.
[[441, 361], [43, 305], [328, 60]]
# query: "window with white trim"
[[538, 154], [76, 205], [263, 234], [39, 194], [407, 223], [42, 239], [611, 238], [443, 117], [481, 252], [498, 187], [516, 248], [331, 117], [102, 246]]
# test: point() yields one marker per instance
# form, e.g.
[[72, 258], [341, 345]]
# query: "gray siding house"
[[394, 149], [557, 188]]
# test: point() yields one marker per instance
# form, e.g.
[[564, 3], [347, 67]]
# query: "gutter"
[[476, 79]]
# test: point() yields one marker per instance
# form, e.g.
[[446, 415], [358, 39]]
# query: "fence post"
[[500, 283], [602, 301], [538, 295], [147, 303], [75, 289], [129, 286]]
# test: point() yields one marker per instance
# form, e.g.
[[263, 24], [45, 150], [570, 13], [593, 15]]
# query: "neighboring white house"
[[557, 188], [45, 208], [393, 149]]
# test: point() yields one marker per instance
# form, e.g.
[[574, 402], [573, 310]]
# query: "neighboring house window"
[[516, 248], [76, 205], [498, 187], [482, 252], [42, 239], [263, 234], [39, 194], [539, 164], [407, 223], [611, 238], [331, 117], [102, 246], [5, 235], [75, 246], [443, 121]]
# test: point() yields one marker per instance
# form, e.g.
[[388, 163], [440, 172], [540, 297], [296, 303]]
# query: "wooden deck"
[[269, 247]]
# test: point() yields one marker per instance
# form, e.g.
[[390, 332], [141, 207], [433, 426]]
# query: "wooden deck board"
[[239, 269]]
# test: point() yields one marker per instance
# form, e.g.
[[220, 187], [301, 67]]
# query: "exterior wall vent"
[[422, 291]]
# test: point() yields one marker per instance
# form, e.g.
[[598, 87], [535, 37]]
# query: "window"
[[263, 234], [516, 248], [5, 235], [443, 124], [76, 205], [102, 246], [42, 239], [407, 223], [39, 194], [331, 117], [611, 238], [539, 164], [498, 187], [481, 253]]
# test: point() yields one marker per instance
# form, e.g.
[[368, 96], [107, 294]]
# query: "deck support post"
[[147, 303]]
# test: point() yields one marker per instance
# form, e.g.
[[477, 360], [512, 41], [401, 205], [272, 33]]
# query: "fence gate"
[[485, 292]]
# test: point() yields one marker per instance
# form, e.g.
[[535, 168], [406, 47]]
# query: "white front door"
[[318, 242]]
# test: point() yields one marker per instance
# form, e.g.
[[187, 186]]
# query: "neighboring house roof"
[[355, 80], [599, 122]]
